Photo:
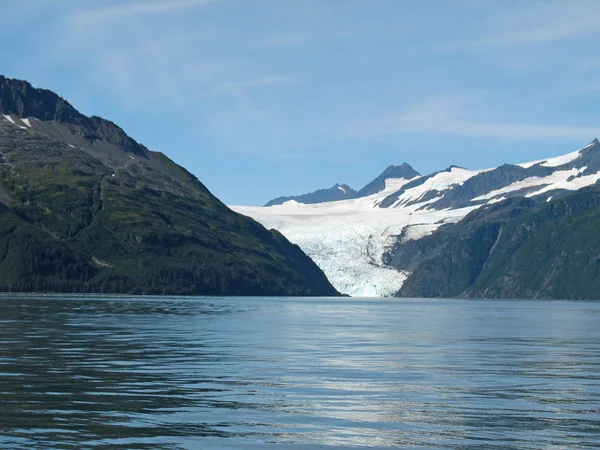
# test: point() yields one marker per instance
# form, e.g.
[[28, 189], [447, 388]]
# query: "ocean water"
[[246, 373]]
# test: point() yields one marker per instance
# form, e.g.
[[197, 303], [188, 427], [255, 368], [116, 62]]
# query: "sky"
[[262, 98]]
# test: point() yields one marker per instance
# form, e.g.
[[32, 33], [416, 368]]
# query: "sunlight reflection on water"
[[166, 373]]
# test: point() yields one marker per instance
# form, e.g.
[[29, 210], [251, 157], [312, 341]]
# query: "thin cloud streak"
[[282, 40], [141, 8], [143, 64], [537, 36], [534, 25], [498, 131], [252, 73], [252, 83], [448, 117]]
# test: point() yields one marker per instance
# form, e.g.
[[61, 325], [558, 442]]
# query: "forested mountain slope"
[[85, 208]]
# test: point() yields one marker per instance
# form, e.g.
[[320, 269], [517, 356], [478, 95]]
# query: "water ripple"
[[173, 373]]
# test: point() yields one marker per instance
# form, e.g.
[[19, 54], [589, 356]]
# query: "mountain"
[[377, 245], [446, 263], [85, 208], [334, 193], [512, 249], [403, 171], [344, 192], [458, 188]]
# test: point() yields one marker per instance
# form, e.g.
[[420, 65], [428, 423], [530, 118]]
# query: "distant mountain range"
[[345, 192], [85, 208], [516, 231], [332, 194]]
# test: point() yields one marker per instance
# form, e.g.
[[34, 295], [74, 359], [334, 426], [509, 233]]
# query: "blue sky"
[[261, 98]]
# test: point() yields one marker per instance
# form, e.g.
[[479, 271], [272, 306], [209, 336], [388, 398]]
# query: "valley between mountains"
[[526, 230], [86, 208]]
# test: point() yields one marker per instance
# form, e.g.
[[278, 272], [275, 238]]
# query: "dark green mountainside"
[[85, 208], [517, 248]]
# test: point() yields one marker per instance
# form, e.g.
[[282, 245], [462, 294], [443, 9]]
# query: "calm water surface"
[[170, 373]]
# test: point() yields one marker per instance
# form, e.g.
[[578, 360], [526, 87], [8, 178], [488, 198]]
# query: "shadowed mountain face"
[[85, 208]]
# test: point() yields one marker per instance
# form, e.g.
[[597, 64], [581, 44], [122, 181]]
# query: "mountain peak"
[[378, 184], [401, 171], [22, 99], [334, 193], [81, 212]]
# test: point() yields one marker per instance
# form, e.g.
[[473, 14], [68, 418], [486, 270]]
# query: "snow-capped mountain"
[[332, 194], [403, 171], [349, 238], [344, 192]]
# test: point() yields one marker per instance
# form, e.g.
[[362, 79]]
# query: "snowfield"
[[347, 239]]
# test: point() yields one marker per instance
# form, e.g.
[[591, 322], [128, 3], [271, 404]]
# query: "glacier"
[[348, 238]]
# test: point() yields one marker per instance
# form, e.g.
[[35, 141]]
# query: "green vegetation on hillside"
[[107, 215], [513, 249]]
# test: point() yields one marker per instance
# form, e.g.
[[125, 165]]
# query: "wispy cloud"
[[450, 117], [154, 60], [497, 131], [592, 86], [538, 35], [138, 8], [240, 85], [282, 40], [529, 26], [240, 69]]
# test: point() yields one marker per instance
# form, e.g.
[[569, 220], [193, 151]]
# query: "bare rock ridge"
[[404, 171]]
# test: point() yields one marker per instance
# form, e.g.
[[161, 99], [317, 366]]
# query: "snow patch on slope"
[[9, 118], [555, 162], [558, 180], [394, 184], [573, 185], [442, 181]]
